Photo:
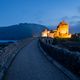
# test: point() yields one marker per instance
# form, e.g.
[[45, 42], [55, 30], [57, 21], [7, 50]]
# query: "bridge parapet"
[[69, 59]]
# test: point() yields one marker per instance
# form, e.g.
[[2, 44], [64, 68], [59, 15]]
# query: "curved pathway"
[[31, 64]]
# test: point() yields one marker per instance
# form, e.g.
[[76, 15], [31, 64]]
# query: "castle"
[[62, 31]]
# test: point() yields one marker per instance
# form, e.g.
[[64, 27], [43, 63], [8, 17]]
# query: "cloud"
[[73, 20], [65, 18]]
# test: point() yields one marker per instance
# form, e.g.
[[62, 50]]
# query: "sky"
[[46, 12]]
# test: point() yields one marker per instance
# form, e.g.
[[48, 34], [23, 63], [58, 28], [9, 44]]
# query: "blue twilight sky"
[[47, 12]]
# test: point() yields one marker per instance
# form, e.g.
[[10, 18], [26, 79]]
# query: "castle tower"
[[63, 28]]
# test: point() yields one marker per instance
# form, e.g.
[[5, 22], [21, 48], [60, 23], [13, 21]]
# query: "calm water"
[[7, 41]]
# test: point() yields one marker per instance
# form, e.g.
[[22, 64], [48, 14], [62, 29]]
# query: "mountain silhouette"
[[20, 31]]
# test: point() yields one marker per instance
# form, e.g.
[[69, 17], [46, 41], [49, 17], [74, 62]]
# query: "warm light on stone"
[[45, 33], [62, 31]]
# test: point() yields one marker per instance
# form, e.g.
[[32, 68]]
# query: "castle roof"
[[62, 23]]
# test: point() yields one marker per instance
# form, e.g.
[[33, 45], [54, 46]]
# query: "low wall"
[[7, 56], [70, 60]]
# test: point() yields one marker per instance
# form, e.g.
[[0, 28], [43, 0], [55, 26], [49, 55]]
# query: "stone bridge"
[[25, 60]]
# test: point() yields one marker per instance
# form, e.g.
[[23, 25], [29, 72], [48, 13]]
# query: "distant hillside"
[[23, 30], [75, 29]]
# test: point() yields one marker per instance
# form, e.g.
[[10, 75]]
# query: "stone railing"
[[70, 60], [9, 52]]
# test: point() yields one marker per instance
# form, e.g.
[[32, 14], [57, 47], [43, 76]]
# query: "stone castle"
[[62, 31]]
